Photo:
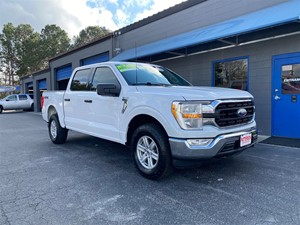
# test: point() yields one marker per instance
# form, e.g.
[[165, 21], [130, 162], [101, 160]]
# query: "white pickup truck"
[[160, 115]]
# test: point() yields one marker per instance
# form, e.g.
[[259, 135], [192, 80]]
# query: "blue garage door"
[[30, 85], [63, 73], [95, 59], [43, 84]]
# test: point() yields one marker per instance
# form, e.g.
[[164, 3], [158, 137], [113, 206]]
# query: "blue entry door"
[[286, 96]]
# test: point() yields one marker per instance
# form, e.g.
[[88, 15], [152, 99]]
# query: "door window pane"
[[22, 97], [12, 98], [290, 77], [104, 75], [80, 80], [231, 74]]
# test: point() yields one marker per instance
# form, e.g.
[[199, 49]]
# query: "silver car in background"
[[16, 101]]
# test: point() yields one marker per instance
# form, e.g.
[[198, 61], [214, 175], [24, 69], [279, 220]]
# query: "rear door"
[[76, 101], [24, 102]]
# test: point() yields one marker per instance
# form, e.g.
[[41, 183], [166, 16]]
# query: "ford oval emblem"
[[242, 112]]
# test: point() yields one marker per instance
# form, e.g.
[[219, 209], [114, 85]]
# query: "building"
[[252, 45]]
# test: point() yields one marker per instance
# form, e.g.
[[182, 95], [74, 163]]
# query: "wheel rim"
[[147, 152], [53, 129]]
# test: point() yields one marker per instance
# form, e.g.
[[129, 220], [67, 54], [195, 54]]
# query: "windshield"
[[143, 74]]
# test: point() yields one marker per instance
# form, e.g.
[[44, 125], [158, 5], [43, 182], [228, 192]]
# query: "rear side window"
[[22, 97], [80, 80], [104, 75]]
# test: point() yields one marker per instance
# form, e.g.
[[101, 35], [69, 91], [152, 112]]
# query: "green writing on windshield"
[[125, 67]]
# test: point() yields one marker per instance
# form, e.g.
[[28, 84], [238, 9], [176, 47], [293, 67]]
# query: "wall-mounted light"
[[118, 50]]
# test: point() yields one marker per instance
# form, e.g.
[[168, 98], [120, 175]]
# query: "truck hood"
[[195, 92]]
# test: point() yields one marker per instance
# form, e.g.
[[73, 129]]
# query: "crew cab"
[[160, 115], [15, 102]]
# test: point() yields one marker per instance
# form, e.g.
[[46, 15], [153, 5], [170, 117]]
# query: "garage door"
[[63, 73], [42, 84], [30, 85], [95, 59]]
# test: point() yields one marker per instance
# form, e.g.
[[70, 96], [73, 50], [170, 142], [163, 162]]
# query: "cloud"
[[157, 6], [75, 15], [71, 17]]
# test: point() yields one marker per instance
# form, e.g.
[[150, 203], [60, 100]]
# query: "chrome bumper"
[[221, 145]]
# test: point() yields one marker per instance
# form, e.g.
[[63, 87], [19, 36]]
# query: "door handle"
[[88, 101], [67, 99]]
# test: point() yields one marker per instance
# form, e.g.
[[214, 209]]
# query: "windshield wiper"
[[152, 84]]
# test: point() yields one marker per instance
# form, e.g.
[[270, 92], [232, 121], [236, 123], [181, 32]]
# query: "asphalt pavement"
[[92, 181]]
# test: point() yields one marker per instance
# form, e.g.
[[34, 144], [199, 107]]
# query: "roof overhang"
[[277, 21]]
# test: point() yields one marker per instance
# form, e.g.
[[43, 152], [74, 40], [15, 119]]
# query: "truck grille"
[[234, 113]]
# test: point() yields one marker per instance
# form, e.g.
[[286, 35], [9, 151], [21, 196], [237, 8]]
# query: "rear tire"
[[151, 151], [32, 107], [1, 108], [57, 134]]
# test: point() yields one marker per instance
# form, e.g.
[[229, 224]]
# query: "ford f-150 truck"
[[156, 112]]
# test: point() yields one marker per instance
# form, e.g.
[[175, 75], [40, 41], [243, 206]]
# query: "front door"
[[11, 102], [286, 96]]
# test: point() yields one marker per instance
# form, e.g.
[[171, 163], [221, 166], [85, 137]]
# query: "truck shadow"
[[119, 156]]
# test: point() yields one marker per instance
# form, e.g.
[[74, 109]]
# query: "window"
[[290, 76], [22, 97], [80, 80], [231, 74], [12, 98], [103, 75]]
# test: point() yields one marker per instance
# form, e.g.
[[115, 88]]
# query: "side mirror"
[[7, 100], [108, 90]]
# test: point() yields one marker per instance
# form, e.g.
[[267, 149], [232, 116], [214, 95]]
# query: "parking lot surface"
[[93, 181]]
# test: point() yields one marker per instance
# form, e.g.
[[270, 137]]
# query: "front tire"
[[151, 151], [58, 135], [1, 108]]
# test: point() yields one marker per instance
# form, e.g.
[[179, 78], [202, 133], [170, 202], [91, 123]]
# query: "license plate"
[[245, 139]]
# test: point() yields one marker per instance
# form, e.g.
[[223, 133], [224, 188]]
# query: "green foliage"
[[28, 49], [24, 51], [54, 41], [8, 53], [89, 34]]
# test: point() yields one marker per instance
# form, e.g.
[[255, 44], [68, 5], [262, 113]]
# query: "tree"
[[54, 41], [28, 49], [24, 51], [89, 34], [8, 53]]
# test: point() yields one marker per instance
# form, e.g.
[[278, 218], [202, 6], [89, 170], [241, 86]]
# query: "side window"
[[103, 75], [22, 97], [80, 80], [231, 74], [12, 98]]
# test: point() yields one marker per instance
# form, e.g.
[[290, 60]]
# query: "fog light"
[[199, 142]]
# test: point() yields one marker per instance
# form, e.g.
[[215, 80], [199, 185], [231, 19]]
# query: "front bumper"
[[223, 144]]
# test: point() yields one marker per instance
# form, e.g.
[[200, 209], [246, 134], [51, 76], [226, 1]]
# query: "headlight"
[[189, 115]]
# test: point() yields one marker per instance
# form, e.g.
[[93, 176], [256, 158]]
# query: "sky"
[[75, 15]]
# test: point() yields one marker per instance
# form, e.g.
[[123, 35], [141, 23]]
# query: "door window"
[[103, 75], [22, 97], [290, 77], [12, 98], [80, 80]]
